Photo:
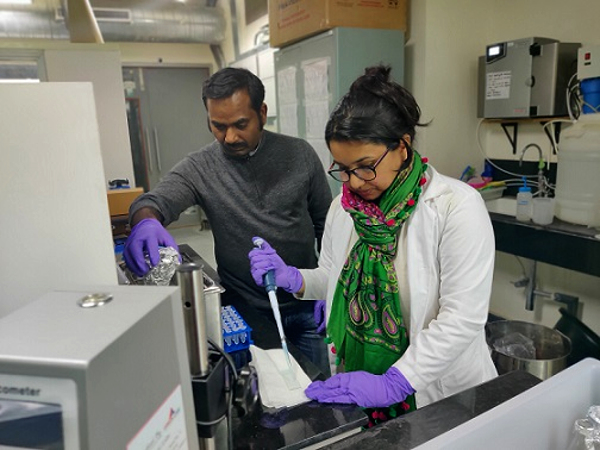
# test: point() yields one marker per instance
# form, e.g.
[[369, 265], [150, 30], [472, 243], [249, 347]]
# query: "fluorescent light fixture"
[[16, 2], [18, 80]]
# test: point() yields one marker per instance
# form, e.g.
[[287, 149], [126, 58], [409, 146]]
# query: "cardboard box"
[[119, 200], [293, 20]]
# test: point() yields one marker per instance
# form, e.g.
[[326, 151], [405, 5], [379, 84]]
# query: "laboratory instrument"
[[108, 364], [271, 288], [218, 384], [588, 74], [526, 78]]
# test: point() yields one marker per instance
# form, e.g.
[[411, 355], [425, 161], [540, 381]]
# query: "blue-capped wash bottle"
[[524, 203]]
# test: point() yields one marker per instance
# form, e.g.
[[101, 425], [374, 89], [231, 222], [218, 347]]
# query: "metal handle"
[[156, 143], [148, 151], [191, 282]]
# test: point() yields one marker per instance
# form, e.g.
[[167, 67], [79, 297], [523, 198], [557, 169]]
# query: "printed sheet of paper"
[[316, 79], [288, 119]]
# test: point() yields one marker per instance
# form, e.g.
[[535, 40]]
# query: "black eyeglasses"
[[365, 173]]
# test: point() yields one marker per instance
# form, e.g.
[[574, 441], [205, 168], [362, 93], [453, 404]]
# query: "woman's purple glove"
[[266, 258], [319, 315], [362, 388], [146, 236]]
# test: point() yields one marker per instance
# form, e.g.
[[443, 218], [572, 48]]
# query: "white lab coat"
[[445, 264]]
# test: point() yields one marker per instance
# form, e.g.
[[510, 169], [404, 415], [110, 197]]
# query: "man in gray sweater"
[[249, 182]]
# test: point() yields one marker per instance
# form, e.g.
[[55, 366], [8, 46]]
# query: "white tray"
[[540, 418]]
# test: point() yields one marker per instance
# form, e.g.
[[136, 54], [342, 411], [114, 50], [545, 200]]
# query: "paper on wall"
[[288, 119], [317, 115], [316, 79], [286, 85]]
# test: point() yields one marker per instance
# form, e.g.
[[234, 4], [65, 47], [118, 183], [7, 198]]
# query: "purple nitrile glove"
[[362, 388], [266, 258], [319, 315], [146, 236]]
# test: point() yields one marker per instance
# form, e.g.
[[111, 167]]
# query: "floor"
[[201, 240]]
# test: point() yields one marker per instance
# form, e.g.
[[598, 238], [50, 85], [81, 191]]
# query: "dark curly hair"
[[375, 110]]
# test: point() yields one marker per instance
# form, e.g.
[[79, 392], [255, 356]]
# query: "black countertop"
[[418, 427], [312, 423], [561, 244]]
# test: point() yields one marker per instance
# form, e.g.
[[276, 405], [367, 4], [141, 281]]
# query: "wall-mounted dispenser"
[[526, 78]]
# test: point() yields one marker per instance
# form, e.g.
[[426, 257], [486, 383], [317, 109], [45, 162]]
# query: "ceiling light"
[[16, 2]]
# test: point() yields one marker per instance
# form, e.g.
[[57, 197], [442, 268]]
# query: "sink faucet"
[[531, 291], [541, 179]]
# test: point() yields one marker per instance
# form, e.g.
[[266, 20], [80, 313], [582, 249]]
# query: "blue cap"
[[524, 188]]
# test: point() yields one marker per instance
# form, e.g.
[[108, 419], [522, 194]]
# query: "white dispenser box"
[[112, 364]]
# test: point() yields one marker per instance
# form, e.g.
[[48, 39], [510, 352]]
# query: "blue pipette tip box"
[[237, 335]]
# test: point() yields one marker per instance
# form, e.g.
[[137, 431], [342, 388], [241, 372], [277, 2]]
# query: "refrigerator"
[[313, 74]]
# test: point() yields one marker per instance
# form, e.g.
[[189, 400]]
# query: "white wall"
[[141, 53], [443, 71], [96, 63], [446, 38], [55, 222], [244, 32], [100, 65]]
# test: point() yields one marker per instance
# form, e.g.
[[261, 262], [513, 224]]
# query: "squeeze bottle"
[[524, 203]]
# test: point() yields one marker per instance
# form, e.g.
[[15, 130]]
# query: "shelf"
[[561, 244], [514, 124], [527, 119]]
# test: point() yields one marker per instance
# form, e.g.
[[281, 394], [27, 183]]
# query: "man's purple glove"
[[319, 315], [146, 236], [362, 388], [266, 258]]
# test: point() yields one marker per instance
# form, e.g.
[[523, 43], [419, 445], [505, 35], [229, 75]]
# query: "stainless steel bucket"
[[551, 348]]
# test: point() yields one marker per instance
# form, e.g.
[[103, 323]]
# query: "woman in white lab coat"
[[405, 266]]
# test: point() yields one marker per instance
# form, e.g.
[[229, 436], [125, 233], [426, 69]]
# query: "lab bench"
[[426, 423], [561, 244], [339, 426]]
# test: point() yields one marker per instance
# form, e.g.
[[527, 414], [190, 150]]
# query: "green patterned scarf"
[[365, 324]]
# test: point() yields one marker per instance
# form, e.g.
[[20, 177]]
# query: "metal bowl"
[[551, 348]]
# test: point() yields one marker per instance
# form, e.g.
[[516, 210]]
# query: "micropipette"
[[271, 289]]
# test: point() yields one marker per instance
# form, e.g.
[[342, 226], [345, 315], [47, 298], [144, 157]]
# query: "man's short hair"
[[225, 82]]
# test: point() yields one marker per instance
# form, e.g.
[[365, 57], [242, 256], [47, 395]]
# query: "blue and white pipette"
[[271, 288]]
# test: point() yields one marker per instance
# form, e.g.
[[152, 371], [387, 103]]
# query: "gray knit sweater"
[[280, 193]]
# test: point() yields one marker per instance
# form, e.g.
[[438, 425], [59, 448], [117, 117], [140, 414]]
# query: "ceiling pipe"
[[176, 24]]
